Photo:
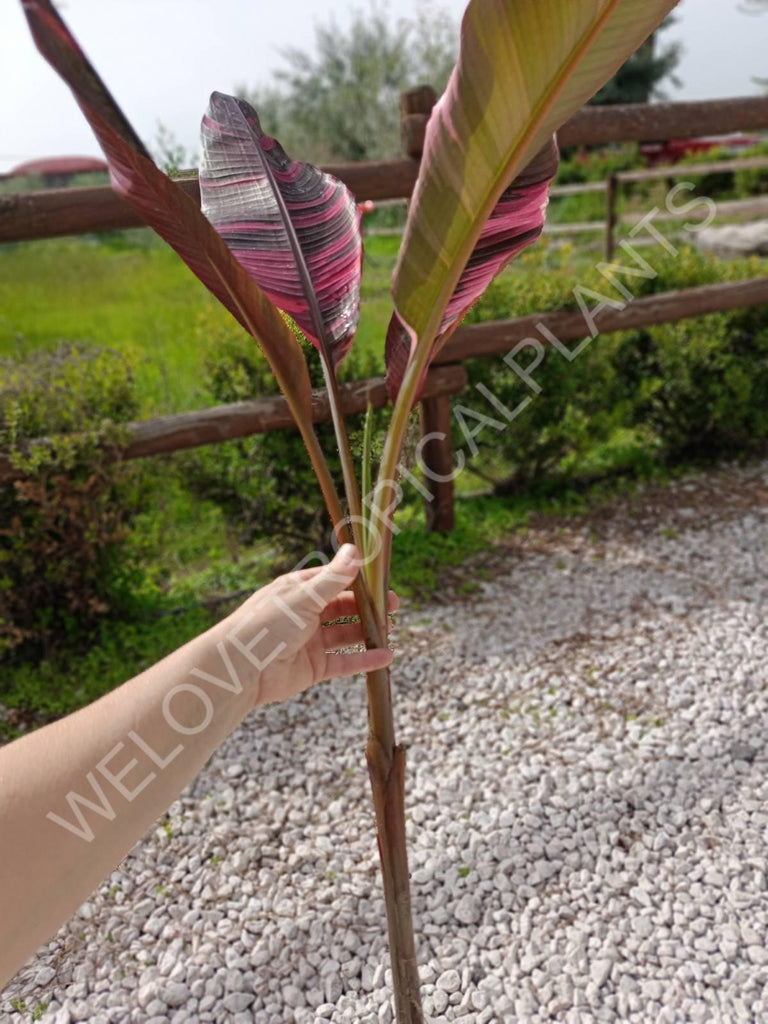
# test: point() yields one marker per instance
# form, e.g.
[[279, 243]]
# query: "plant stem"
[[387, 774], [366, 474], [347, 462], [386, 764], [384, 495], [386, 760], [386, 769]]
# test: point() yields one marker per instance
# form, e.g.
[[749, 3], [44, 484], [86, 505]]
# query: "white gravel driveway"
[[587, 794]]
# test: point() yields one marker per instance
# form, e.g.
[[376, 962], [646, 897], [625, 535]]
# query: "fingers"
[[344, 634], [337, 665], [321, 586], [345, 605]]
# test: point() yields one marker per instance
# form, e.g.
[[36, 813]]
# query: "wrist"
[[234, 658]]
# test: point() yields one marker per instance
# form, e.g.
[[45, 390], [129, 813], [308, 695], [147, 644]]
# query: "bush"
[[584, 164], [728, 184], [754, 181], [692, 390], [700, 385], [265, 484], [62, 554], [41, 689]]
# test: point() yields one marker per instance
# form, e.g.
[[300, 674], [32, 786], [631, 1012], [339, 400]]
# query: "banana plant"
[[275, 234]]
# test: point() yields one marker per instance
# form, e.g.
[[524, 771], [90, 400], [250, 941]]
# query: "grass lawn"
[[128, 291]]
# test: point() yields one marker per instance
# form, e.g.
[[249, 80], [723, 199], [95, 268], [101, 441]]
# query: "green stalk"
[[366, 476], [351, 487], [393, 445], [386, 760]]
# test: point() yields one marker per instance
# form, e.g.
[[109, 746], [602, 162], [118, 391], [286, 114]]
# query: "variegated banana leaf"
[[295, 229]]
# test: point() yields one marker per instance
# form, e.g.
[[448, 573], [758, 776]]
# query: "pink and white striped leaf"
[[516, 222], [173, 215], [294, 228]]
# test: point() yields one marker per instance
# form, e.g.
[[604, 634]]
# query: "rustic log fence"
[[49, 214]]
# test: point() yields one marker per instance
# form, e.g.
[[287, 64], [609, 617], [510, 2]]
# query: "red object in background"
[[57, 171], [66, 165], [672, 150], [366, 207]]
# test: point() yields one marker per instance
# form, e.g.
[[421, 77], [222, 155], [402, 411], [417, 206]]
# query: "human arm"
[[76, 795]]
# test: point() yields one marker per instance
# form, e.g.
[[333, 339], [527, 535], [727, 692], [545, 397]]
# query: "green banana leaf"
[[524, 68]]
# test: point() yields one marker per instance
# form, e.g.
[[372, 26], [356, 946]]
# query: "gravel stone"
[[175, 995], [600, 971], [449, 981], [469, 909], [237, 1001]]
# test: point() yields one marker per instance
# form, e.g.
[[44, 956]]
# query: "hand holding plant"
[[300, 642]]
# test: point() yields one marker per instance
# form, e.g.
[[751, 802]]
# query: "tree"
[[639, 78], [342, 102]]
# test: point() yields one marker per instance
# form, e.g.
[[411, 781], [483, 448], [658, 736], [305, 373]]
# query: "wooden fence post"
[[611, 183], [415, 108], [437, 462]]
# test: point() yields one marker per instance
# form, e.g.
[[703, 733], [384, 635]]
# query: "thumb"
[[337, 575]]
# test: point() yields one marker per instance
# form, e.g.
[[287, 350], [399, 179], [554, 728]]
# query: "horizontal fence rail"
[[730, 209], [32, 215], [165, 434], [28, 216], [754, 206], [747, 163], [500, 335], [447, 377], [682, 169]]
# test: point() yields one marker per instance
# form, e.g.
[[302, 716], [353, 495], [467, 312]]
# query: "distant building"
[[57, 171]]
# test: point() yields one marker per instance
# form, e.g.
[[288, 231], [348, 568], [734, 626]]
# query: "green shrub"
[[692, 390], [728, 184], [42, 689], [755, 181], [264, 484], [576, 410], [66, 515], [585, 164], [700, 385]]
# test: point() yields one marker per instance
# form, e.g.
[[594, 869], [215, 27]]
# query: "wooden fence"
[[611, 186], [736, 209], [49, 214]]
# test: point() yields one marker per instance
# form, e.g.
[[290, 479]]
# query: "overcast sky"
[[162, 59]]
